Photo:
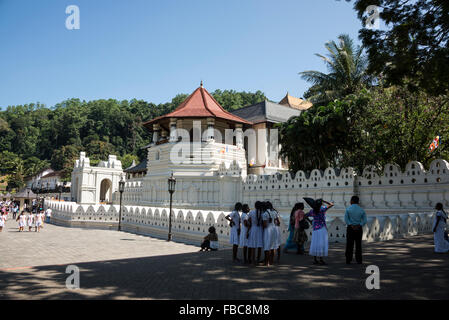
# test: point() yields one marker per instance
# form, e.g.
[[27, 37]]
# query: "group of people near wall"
[[26, 218], [259, 229], [7, 207], [253, 230]]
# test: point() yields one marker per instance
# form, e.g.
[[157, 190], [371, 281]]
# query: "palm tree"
[[346, 65]]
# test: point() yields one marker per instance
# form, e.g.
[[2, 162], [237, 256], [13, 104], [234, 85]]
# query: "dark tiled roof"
[[24, 194], [266, 111], [141, 167]]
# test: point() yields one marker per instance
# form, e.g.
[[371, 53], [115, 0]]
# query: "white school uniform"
[[38, 219], [269, 233], [234, 236], [22, 220], [30, 220], [277, 229], [255, 239], [243, 238]]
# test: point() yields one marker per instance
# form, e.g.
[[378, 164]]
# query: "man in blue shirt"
[[355, 218]]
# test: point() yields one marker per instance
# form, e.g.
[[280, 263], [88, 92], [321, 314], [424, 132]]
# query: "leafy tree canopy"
[[346, 66], [415, 45], [372, 127]]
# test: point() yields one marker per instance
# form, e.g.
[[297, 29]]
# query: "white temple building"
[[208, 150]]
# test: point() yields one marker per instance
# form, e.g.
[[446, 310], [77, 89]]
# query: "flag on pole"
[[435, 144]]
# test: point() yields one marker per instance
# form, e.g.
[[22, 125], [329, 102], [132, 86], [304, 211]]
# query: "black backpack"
[[304, 224]]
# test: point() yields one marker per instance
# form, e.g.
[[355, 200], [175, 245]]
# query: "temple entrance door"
[[106, 191]]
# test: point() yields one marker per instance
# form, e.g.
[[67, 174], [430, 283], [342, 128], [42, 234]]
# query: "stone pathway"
[[118, 265]]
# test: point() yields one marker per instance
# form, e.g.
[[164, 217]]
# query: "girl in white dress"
[[439, 226], [255, 233], [277, 225], [38, 221], [244, 232], [30, 220], [22, 221], [269, 235], [234, 223], [2, 220]]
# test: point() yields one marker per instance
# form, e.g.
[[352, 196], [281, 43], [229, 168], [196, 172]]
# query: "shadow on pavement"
[[408, 270]]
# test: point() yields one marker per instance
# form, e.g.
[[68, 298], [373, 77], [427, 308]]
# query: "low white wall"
[[393, 191], [192, 225]]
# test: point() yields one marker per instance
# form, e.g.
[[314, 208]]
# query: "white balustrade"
[[193, 225]]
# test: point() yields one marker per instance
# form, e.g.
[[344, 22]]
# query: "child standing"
[[2, 221], [277, 229], [244, 232], [269, 235], [38, 221], [234, 219], [22, 221], [255, 231], [30, 220]]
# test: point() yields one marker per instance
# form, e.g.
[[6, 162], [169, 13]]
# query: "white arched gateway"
[[106, 191], [95, 184]]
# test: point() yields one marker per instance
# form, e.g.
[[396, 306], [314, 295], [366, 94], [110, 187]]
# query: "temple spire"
[[201, 84]]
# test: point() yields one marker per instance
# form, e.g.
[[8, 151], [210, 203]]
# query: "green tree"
[[232, 100], [64, 159], [315, 138], [99, 150], [346, 66], [8, 161], [128, 159], [34, 165], [394, 125], [414, 48]]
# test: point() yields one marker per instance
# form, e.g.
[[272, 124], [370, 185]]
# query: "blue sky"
[[153, 50]]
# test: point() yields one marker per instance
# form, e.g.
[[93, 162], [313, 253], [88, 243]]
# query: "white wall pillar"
[[210, 128], [156, 129], [173, 135], [239, 135]]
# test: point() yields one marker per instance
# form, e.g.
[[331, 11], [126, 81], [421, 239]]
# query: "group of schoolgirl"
[[31, 220], [255, 229]]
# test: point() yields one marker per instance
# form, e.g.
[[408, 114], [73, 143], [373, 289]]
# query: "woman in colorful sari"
[[290, 244]]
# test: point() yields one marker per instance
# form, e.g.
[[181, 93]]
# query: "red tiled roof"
[[200, 104]]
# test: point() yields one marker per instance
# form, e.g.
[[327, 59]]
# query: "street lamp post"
[[121, 188], [60, 191], [171, 190], [28, 196]]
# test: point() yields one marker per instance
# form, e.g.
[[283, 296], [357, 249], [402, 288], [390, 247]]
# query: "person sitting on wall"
[[210, 241]]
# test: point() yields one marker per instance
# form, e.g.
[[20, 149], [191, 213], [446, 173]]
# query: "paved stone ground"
[[118, 265]]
